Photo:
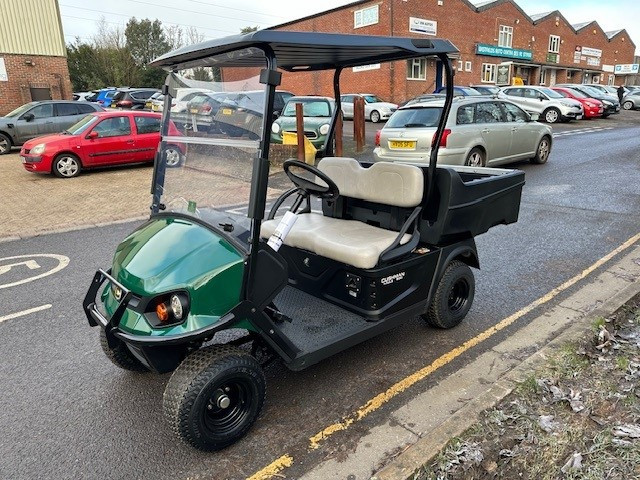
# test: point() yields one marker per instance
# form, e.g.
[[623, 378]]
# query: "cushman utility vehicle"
[[211, 286]]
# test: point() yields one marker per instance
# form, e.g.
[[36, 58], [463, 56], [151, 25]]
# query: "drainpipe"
[[392, 83]]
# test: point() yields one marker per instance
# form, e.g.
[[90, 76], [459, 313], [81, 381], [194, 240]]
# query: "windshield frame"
[[21, 110]]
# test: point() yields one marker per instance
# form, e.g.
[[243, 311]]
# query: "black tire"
[[5, 144], [374, 117], [543, 150], [453, 296], [120, 355], [552, 115], [66, 165], [193, 400], [476, 158], [627, 105]]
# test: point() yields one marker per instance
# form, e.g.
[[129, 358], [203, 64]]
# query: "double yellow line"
[[286, 460]]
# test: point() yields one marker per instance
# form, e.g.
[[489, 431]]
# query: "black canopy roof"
[[303, 50]]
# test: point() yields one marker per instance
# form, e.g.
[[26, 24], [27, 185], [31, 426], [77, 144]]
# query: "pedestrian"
[[620, 93]]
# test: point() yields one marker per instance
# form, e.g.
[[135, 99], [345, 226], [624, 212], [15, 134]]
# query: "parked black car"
[[132, 98], [40, 118]]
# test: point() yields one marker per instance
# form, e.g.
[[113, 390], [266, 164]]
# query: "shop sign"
[[362, 68], [420, 25], [553, 58], [593, 61], [495, 51], [503, 74], [576, 56], [608, 68], [627, 68], [3, 71], [590, 52]]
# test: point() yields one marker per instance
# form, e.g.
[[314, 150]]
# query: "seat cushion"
[[347, 241]]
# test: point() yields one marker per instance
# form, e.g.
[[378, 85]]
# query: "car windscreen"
[[372, 99], [20, 110], [418, 117], [82, 125], [592, 92], [310, 108], [550, 93], [578, 94], [468, 91]]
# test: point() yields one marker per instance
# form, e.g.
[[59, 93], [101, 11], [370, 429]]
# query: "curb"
[[409, 463]]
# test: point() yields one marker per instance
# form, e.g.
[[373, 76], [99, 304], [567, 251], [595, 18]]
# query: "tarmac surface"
[[66, 412]]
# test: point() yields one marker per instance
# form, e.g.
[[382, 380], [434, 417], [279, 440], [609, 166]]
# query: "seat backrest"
[[388, 183]]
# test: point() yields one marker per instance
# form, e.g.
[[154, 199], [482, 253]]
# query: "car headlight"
[[567, 104], [275, 128], [589, 104], [324, 129], [38, 149], [607, 103], [168, 309]]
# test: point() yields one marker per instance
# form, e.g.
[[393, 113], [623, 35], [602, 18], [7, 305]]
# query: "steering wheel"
[[307, 186]]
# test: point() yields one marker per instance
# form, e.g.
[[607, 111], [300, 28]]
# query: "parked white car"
[[375, 109], [480, 131], [549, 105]]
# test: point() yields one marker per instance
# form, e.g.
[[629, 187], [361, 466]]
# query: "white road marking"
[[581, 131], [63, 261], [25, 312]]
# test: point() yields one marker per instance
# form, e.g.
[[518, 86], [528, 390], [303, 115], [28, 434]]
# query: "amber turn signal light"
[[163, 312]]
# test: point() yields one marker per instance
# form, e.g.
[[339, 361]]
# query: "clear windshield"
[[82, 125], [578, 94], [20, 110], [550, 93], [214, 137], [310, 108], [593, 92]]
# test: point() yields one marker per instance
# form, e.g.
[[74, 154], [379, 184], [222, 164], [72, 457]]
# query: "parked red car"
[[98, 140], [592, 106]]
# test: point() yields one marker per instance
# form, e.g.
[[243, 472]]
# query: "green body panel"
[[168, 254]]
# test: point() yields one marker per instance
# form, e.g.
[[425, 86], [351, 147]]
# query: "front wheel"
[[543, 151], [552, 115], [627, 105], [66, 165], [375, 116], [173, 156], [214, 397], [453, 296]]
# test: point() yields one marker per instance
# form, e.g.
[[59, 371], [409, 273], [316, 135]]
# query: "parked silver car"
[[480, 131], [551, 106], [631, 101], [40, 118], [375, 109]]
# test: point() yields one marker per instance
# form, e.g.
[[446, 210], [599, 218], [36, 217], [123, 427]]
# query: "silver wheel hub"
[[173, 157], [475, 160], [552, 116], [543, 150], [67, 166], [3, 145], [223, 401]]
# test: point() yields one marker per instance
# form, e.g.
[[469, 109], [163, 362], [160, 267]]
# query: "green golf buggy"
[[243, 261]]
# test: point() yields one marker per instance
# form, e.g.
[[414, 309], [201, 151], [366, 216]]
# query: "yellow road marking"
[[379, 400], [273, 468]]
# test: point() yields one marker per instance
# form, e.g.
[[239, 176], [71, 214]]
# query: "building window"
[[417, 69], [554, 44], [543, 76], [366, 16], [488, 73], [505, 37], [467, 66], [460, 65]]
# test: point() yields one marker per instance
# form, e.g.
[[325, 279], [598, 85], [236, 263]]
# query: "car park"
[[155, 102], [99, 140], [549, 105], [317, 113], [480, 132], [104, 96], [460, 91], [610, 102], [375, 109], [631, 101], [132, 98], [40, 118], [486, 89], [592, 106]]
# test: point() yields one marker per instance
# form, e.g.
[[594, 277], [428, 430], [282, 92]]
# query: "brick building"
[[33, 62], [499, 44]]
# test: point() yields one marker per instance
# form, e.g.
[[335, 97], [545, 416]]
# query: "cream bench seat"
[[350, 241]]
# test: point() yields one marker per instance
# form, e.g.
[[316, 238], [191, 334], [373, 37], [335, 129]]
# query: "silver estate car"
[[551, 106], [480, 132], [631, 101]]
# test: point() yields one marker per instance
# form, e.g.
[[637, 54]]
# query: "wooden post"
[[300, 131], [358, 123], [338, 135]]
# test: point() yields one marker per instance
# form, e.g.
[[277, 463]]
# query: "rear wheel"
[[543, 151], [453, 296], [375, 116], [66, 165], [5, 144], [476, 158], [551, 115], [173, 156], [627, 105], [214, 397], [120, 355]]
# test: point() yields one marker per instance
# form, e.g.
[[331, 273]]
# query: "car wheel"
[[66, 165], [605, 115], [627, 105], [5, 144], [453, 296], [120, 355], [214, 397], [476, 158], [543, 151], [173, 156], [375, 116], [552, 115]]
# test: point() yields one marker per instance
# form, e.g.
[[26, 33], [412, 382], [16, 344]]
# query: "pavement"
[[65, 412]]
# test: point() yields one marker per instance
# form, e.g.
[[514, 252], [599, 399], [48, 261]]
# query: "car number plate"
[[194, 110], [402, 144], [227, 111], [24, 159], [579, 117]]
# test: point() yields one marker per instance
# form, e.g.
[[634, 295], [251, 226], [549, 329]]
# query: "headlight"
[[38, 149], [275, 128], [176, 307], [567, 104], [324, 129], [168, 309], [607, 103]]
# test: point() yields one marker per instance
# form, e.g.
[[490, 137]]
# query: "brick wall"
[[46, 72]]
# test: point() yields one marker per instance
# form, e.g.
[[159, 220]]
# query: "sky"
[[218, 18]]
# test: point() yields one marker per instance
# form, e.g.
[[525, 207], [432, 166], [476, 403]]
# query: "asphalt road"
[[66, 412]]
